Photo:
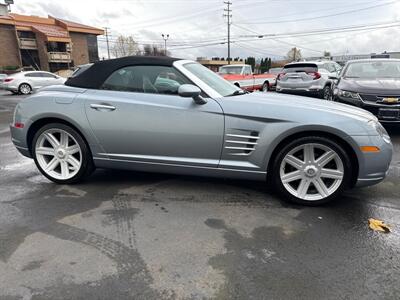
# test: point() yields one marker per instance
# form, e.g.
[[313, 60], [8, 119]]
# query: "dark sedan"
[[372, 84]]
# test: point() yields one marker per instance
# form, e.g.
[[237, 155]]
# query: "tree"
[[251, 61], [125, 46], [153, 50], [294, 54]]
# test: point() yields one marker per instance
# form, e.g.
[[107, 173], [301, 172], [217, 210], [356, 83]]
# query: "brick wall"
[[9, 50], [42, 51], [80, 53]]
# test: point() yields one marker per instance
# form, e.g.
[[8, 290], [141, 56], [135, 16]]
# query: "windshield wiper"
[[237, 93]]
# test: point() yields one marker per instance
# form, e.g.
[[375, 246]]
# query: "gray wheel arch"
[[41, 121], [336, 135]]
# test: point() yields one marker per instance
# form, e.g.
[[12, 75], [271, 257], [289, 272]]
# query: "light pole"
[[165, 38]]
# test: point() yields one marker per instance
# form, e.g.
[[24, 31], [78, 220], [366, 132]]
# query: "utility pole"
[[108, 45], [165, 38], [228, 15]]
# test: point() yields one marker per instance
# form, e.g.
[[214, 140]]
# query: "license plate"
[[387, 113]]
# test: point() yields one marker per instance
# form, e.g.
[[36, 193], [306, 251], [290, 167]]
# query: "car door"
[[248, 78], [49, 79], [138, 116], [35, 79]]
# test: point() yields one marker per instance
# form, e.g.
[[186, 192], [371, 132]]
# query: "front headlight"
[[380, 130], [347, 94]]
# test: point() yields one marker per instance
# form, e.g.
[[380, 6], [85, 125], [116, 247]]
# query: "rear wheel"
[[24, 89], [265, 87], [311, 170], [61, 154]]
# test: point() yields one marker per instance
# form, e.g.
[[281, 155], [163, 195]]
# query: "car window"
[[338, 67], [47, 75], [300, 67], [230, 70], [329, 67], [247, 70], [146, 79], [36, 74]]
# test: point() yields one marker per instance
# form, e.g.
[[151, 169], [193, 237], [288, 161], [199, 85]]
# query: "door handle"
[[102, 106]]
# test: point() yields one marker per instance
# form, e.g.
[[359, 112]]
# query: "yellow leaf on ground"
[[378, 225]]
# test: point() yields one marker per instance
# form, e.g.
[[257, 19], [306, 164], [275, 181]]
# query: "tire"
[[326, 93], [61, 154], [265, 87], [302, 182], [24, 89]]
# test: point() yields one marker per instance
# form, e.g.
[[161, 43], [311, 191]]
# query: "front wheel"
[[311, 170], [61, 154], [327, 93]]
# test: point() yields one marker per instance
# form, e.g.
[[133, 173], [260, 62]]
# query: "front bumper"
[[372, 108], [373, 167]]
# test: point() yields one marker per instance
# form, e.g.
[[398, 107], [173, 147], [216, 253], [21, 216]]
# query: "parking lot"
[[130, 235]]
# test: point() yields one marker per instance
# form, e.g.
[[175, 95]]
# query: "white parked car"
[[26, 82], [308, 77], [2, 77]]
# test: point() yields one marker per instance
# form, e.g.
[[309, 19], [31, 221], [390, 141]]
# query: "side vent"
[[240, 144]]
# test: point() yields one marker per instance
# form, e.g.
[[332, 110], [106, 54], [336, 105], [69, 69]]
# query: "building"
[[342, 59], [215, 64], [3, 9], [49, 44]]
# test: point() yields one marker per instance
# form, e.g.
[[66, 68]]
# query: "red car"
[[243, 77]]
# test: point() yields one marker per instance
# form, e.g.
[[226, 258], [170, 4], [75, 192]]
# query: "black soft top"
[[94, 76]]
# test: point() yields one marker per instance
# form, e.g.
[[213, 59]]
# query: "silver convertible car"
[[161, 114]]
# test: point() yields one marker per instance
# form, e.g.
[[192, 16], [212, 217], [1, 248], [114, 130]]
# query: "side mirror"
[[191, 91], [333, 77]]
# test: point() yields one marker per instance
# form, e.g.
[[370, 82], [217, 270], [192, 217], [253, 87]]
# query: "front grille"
[[379, 99], [241, 144]]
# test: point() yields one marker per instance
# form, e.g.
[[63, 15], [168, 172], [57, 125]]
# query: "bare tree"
[[125, 46], [294, 54], [153, 50]]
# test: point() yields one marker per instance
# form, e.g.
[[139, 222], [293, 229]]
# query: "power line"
[[323, 16]]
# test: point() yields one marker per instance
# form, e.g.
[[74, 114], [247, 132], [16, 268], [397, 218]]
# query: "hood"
[[303, 111], [379, 86]]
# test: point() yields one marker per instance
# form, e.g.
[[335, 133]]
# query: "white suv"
[[308, 77], [26, 82]]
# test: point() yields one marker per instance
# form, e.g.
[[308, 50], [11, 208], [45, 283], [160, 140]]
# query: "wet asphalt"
[[129, 235]]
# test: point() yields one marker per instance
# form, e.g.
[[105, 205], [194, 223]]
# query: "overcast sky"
[[200, 23]]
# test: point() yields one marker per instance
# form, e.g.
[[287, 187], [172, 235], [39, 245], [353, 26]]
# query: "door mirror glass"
[[191, 91]]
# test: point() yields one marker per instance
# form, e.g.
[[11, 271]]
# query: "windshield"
[[373, 69], [230, 70], [275, 70], [220, 85]]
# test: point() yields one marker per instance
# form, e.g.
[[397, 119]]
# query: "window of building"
[[146, 79], [92, 48]]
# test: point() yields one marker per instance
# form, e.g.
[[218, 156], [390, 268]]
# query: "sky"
[[197, 28]]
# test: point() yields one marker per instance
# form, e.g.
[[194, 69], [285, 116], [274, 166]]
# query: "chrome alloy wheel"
[[25, 89], [58, 154], [311, 171]]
